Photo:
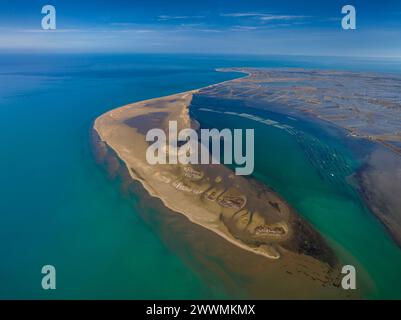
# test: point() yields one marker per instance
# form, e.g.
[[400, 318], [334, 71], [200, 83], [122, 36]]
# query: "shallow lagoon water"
[[309, 166]]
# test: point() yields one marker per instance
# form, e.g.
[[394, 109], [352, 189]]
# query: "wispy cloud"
[[39, 30], [201, 27], [122, 24], [281, 17], [209, 30], [167, 17], [246, 28], [126, 29], [263, 16], [242, 14], [331, 19]]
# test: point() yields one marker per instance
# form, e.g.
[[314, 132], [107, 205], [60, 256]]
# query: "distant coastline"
[[370, 117]]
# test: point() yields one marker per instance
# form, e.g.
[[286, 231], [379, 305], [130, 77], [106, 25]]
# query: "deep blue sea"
[[58, 207]]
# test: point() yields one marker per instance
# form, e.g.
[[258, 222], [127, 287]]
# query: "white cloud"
[[39, 30], [281, 17], [167, 17], [246, 28], [263, 16], [243, 14]]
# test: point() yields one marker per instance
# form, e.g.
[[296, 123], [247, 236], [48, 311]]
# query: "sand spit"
[[240, 210], [255, 219]]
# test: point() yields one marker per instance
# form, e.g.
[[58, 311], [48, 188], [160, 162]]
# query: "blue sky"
[[300, 27]]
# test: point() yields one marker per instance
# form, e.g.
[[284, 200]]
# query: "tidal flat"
[[312, 239], [240, 210], [366, 105]]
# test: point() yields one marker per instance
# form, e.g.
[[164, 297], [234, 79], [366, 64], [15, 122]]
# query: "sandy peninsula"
[[238, 209]]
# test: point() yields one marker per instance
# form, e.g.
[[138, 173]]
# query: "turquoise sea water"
[[58, 207], [309, 168]]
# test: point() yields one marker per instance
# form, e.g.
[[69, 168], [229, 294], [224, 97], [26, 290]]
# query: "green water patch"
[[57, 206], [310, 164]]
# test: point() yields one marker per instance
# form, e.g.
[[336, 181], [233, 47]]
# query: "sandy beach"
[[239, 210]]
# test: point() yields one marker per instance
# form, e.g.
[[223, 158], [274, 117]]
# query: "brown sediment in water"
[[238, 229], [379, 182], [225, 267]]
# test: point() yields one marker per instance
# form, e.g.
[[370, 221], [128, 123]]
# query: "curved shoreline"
[[154, 194], [251, 229], [164, 201], [240, 273], [264, 224]]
